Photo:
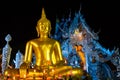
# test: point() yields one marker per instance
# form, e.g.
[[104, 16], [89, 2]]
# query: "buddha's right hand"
[[24, 65], [23, 70]]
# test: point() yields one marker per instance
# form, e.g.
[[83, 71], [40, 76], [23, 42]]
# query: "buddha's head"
[[43, 25]]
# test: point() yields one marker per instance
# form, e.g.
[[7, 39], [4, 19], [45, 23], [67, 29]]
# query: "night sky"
[[18, 18]]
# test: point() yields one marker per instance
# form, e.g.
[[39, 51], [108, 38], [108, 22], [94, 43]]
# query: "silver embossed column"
[[6, 52]]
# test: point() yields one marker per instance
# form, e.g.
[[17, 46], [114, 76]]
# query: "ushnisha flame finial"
[[43, 18], [43, 15]]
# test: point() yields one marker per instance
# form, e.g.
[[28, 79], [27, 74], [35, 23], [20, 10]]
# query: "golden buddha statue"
[[49, 58]]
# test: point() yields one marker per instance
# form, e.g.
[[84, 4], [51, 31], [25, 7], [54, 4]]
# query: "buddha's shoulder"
[[37, 40], [32, 41], [53, 40]]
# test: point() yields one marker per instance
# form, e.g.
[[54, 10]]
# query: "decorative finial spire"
[[43, 13], [43, 18]]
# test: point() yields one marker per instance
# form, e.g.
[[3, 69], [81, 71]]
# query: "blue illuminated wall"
[[75, 31]]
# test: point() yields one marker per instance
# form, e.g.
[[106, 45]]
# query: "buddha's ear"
[[37, 32], [50, 30]]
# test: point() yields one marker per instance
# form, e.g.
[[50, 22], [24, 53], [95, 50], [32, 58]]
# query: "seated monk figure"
[[49, 58]]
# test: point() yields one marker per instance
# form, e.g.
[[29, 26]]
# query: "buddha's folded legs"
[[63, 71], [11, 72]]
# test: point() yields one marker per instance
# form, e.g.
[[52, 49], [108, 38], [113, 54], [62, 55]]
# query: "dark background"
[[18, 18]]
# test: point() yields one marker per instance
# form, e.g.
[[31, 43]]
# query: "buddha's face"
[[43, 28]]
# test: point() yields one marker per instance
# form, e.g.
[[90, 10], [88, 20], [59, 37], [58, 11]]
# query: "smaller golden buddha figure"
[[49, 58]]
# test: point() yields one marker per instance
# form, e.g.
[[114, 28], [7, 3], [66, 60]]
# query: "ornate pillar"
[[6, 53]]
